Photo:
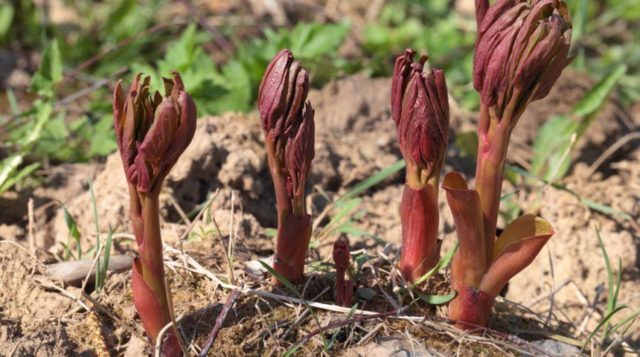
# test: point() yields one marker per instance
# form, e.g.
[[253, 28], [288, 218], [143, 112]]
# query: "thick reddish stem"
[[294, 234], [278, 176], [493, 141], [148, 285], [419, 218], [471, 307]]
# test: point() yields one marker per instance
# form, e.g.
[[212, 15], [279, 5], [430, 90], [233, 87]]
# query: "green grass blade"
[[16, 177], [627, 320], [97, 222], [604, 321], [507, 195], [74, 233], [595, 98], [598, 207], [101, 272], [444, 261], [372, 180], [611, 291]]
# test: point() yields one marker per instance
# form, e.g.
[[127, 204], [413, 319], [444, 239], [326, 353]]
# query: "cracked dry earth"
[[226, 165]]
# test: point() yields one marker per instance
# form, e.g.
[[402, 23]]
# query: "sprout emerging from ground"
[[420, 109], [342, 260], [288, 124], [152, 131], [521, 50]]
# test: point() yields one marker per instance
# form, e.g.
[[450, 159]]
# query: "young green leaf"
[[101, 271], [552, 159], [50, 71], [552, 141], [6, 18], [596, 97], [72, 226], [444, 261], [436, 299]]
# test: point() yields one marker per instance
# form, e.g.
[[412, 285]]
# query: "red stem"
[[294, 225], [419, 217], [493, 141], [149, 290], [471, 307], [293, 239]]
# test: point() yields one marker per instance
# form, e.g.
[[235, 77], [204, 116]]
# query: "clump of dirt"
[[30, 314], [23, 300], [50, 341]]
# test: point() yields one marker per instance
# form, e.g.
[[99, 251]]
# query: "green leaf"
[[10, 173], [351, 229], [444, 261], [72, 226], [237, 89], [627, 320], [289, 285], [329, 344], [602, 322], [361, 260], [120, 14], [18, 176], [315, 40], [552, 159], [6, 18], [8, 167], [345, 207], [181, 53], [550, 148], [50, 71], [101, 272], [436, 299], [102, 140], [579, 17], [13, 102], [596, 97]]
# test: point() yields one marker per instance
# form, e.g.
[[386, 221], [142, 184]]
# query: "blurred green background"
[[59, 59]]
